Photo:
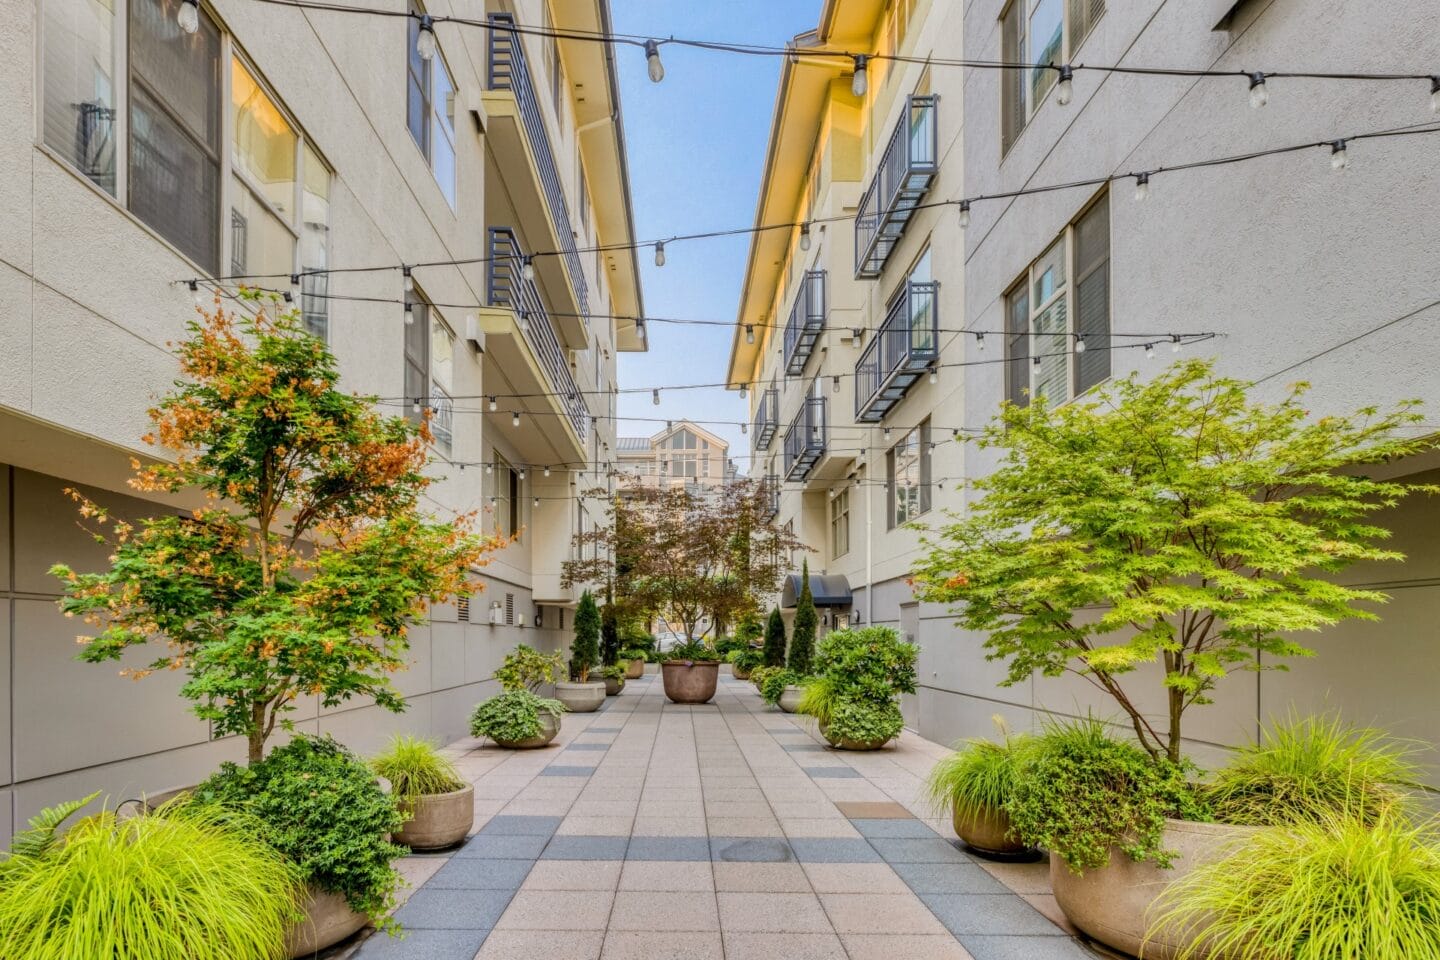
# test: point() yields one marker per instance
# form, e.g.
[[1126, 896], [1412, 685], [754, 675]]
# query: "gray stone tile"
[[919, 851], [1024, 948], [602, 729], [557, 770], [947, 878], [988, 914], [422, 945], [453, 909], [475, 873], [750, 849], [905, 829], [809, 746], [833, 773], [833, 850], [588, 746], [517, 826], [668, 848], [586, 848], [503, 847]]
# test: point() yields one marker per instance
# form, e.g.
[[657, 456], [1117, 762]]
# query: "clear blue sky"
[[697, 146]]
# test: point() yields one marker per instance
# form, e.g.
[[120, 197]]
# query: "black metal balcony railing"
[[506, 286], [771, 492], [807, 320], [903, 176], [805, 440], [767, 418], [509, 71], [906, 344]]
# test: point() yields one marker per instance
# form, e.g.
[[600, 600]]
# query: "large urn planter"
[[790, 698], [987, 833], [438, 820], [1113, 904], [635, 669], [613, 686], [690, 681], [549, 729], [841, 742], [328, 920], [581, 697]]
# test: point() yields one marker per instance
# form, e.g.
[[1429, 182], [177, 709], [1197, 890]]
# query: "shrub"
[[865, 721], [615, 671], [319, 805], [1307, 768], [802, 639], [724, 646], [525, 668], [1332, 889], [632, 653], [860, 673], [512, 716], [759, 675], [609, 633], [1081, 792], [585, 648], [748, 630], [775, 681], [188, 880], [774, 650], [690, 650], [745, 658], [818, 699], [980, 776], [416, 769]]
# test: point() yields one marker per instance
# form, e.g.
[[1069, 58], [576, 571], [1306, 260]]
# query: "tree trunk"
[[1177, 707], [257, 746]]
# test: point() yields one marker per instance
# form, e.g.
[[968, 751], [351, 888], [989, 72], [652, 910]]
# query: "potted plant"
[[690, 672], [142, 886], [518, 720], [614, 679], [438, 806], [1175, 522], [973, 785], [860, 675], [634, 660], [781, 687], [743, 661], [320, 806], [581, 694]]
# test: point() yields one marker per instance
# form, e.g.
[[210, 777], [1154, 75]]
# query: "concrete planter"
[[739, 673], [690, 681], [842, 744], [581, 697], [987, 833], [613, 686], [790, 698], [328, 920], [439, 820], [635, 669], [549, 728], [1112, 904]]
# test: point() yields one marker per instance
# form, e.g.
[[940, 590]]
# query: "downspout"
[[869, 552]]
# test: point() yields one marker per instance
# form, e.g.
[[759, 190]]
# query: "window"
[[442, 373], [505, 496], [1038, 32], [79, 105], [417, 355], [839, 523], [907, 481], [1048, 313], [430, 110]]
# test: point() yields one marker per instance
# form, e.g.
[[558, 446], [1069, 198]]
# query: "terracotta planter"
[[613, 686], [549, 728], [690, 681], [1113, 904], [581, 697], [439, 820], [738, 672], [790, 698], [843, 744], [328, 920], [987, 833], [635, 669]]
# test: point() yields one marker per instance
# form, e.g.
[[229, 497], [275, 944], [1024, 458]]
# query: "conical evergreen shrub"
[[802, 641], [773, 653]]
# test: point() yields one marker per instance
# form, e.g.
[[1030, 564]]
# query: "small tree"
[[773, 652], [609, 636], [748, 630], [1172, 521], [310, 558], [585, 648], [802, 639]]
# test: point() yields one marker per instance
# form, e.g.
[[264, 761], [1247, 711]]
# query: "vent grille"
[[462, 609], [509, 609]]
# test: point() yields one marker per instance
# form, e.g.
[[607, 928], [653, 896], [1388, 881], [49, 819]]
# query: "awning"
[[829, 590]]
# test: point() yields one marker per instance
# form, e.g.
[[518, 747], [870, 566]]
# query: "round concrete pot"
[[790, 698], [549, 728], [843, 744], [987, 832], [738, 673], [635, 669], [581, 697], [328, 920], [1113, 904], [690, 681], [613, 686], [438, 820]]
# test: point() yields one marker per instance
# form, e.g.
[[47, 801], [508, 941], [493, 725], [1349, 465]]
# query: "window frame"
[[839, 522], [433, 117], [1030, 103], [920, 461]]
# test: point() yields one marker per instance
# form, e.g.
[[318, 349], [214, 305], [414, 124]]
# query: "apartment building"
[[682, 454], [1307, 272], [147, 142]]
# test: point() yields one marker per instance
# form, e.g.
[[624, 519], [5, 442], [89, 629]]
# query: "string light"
[[1142, 186], [1339, 158], [964, 207], [934, 375], [522, 473], [1259, 96], [515, 418], [547, 471], [640, 327], [749, 333], [659, 253], [836, 383], [980, 342], [885, 434], [1065, 88], [1079, 343], [415, 407], [743, 391], [425, 39], [1149, 351], [860, 82], [1175, 344], [524, 320], [527, 268], [407, 280], [535, 503], [409, 313], [655, 398], [295, 284], [493, 404], [489, 469], [653, 65], [194, 286], [805, 236], [188, 16]]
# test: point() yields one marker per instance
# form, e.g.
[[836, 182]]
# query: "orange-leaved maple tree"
[[310, 558]]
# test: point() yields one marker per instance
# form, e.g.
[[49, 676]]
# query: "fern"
[[38, 840]]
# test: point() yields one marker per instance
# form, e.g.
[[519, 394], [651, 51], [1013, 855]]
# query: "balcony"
[[521, 340], [770, 490], [767, 418], [904, 347], [805, 441], [902, 178], [807, 320], [519, 140]]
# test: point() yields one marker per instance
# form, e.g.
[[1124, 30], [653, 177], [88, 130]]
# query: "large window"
[[430, 109], [907, 481], [1037, 32], [839, 523], [505, 496], [429, 370], [156, 139], [1057, 315]]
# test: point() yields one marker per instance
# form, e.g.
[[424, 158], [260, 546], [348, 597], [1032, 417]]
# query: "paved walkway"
[[653, 831]]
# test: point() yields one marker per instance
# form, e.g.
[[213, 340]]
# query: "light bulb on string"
[[415, 407], [964, 214], [409, 313], [547, 471], [980, 342], [407, 281], [1339, 157], [522, 473], [655, 397], [640, 327], [1259, 95], [805, 236], [489, 469], [653, 66], [1142, 186], [835, 383], [535, 503], [885, 434], [860, 82], [188, 16], [1175, 343], [659, 253], [743, 391], [425, 38], [295, 284], [194, 286], [1149, 351], [1079, 343], [743, 431], [934, 376], [515, 418], [493, 404], [527, 267], [1065, 88], [1035, 360], [524, 321], [749, 333]]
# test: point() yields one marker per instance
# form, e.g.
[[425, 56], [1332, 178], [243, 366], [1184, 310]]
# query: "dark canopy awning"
[[830, 590]]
